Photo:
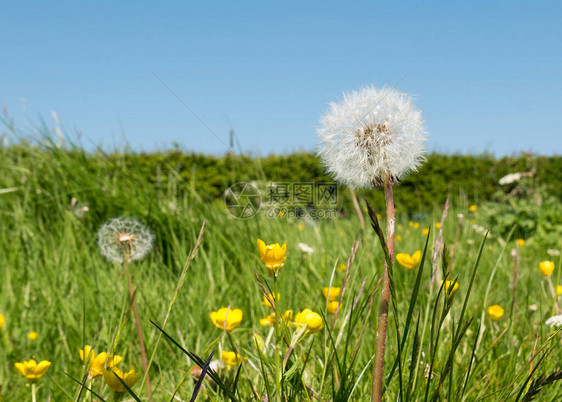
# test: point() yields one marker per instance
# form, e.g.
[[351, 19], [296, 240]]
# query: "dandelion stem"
[[385, 294], [33, 392], [139, 330]]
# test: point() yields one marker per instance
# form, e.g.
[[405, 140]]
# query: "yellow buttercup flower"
[[410, 224], [399, 227], [32, 335], [495, 312], [231, 359], [269, 321], [425, 232], [472, 208], [438, 225], [32, 370], [266, 302], [2, 320], [546, 267], [226, 318], [97, 363], [521, 242], [333, 306], [312, 320], [300, 227], [342, 267], [398, 238], [129, 378], [558, 290], [409, 261], [416, 225], [448, 286], [331, 293], [272, 255]]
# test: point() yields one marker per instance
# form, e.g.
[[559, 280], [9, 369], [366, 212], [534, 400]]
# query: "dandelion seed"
[[552, 252], [370, 133], [510, 178], [122, 238], [305, 248], [555, 321]]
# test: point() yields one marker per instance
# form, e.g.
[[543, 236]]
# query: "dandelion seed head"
[[122, 237], [510, 178], [370, 132], [555, 321]]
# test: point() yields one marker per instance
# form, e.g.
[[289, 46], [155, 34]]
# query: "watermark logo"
[[282, 200], [242, 200]]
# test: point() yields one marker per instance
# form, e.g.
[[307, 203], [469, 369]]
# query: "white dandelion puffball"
[[122, 237], [554, 321], [370, 132], [510, 178], [305, 248]]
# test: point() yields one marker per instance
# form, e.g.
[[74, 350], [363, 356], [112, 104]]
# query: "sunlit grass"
[[54, 281]]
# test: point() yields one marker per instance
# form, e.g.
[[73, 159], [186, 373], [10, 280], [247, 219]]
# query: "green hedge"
[[466, 178]]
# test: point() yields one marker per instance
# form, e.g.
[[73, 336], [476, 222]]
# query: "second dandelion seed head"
[[123, 239]]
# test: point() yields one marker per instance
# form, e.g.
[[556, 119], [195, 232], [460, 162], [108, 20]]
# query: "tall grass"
[[443, 346]]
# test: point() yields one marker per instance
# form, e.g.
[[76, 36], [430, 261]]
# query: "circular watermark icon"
[[242, 200]]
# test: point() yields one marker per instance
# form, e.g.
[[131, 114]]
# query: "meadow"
[[441, 345]]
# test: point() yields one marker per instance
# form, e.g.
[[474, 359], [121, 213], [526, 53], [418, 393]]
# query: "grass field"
[[55, 281]]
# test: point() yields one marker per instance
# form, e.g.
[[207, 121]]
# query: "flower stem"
[[33, 392], [277, 326], [139, 330], [385, 294]]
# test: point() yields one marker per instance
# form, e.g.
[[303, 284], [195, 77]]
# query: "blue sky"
[[487, 76]]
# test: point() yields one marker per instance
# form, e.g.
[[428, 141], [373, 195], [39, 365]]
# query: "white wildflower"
[[552, 252], [305, 248], [372, 132], [510, 178], [554, 321], [122, 237], [533, 307]]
